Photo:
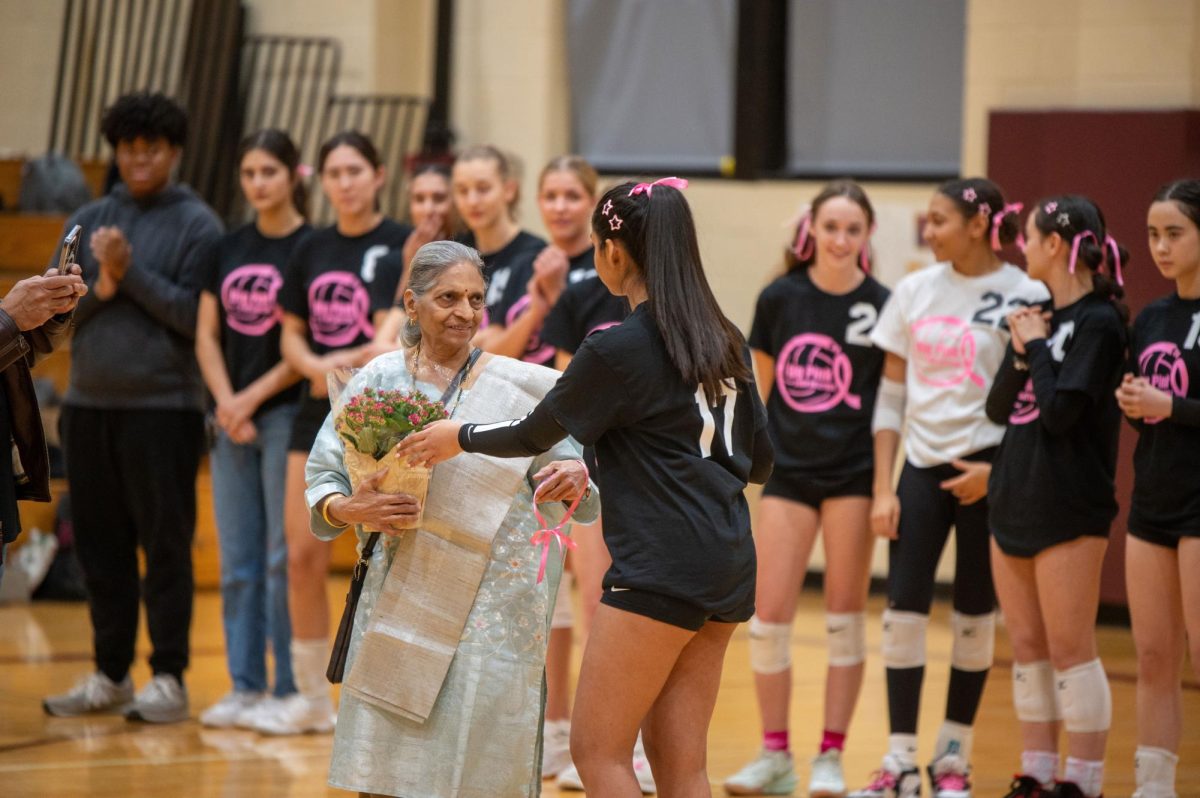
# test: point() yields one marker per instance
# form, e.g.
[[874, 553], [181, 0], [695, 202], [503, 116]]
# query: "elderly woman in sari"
[[444, 686]]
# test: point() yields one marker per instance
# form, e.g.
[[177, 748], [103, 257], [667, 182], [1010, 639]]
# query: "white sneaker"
[[250, 715], [556, 748], [93, 693], [894, 779], [296, 715], [224, 714], [772, 773], [950, 776], [163, 700], [569, 778], [827, 780]]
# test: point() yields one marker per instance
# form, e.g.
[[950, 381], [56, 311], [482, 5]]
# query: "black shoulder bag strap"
[[341, 643]]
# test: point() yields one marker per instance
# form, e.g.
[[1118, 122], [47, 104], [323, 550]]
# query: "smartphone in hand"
[[70, 249]]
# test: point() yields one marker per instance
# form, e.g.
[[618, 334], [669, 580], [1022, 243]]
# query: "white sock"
[[954, 738], [1087, 774], [1042, 765], [903, 747], [1155, 771], [310, 658]]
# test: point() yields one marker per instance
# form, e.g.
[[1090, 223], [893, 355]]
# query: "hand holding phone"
[[70, 249]]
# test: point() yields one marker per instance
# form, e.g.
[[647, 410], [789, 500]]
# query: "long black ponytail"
[[656, 228]]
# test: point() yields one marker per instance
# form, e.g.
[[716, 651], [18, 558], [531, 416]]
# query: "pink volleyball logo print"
[[1025, 409], [944, 352], [1163, 367], [814, 374], [248, 295], [338, 307]]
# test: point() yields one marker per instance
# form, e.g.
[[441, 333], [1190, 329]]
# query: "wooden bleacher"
[[27, 242]]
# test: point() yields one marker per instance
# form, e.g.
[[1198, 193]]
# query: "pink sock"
[[832, 739], [775, 740]]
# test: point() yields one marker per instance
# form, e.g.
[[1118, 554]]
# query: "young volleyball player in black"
[[818, 374], [1051, 492], [669, 402], [1161, 397]]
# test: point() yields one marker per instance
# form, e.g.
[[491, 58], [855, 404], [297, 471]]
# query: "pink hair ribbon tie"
[[677, 183], [546, 536], [804, 246], [998, 220], [864, 254], [1110, 244], [1075, 242]]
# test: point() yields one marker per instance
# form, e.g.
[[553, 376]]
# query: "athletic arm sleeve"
[[1058, 410], [1005, 388], [535, 434]]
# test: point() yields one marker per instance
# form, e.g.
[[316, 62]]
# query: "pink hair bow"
[[677, 183], [998, 219], [1075, 242], [1110, 244]]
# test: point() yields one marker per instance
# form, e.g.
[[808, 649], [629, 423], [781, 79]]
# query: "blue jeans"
[[248, 489]]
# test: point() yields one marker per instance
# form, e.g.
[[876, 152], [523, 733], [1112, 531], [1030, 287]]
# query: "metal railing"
[[108, 48], [230, 84], [394, 122]]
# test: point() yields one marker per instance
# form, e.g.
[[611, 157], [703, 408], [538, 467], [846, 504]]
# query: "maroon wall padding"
[[1119, 159]]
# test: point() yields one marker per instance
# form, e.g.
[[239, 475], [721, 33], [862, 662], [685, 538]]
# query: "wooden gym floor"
[[45, 647]]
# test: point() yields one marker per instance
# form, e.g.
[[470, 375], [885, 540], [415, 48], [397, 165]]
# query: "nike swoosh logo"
[[617, 589]]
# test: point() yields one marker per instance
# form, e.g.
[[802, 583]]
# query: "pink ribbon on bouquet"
[[677, 183], [547, 536]]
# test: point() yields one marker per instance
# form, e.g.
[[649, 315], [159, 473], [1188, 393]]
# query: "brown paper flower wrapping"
[[400, 478]]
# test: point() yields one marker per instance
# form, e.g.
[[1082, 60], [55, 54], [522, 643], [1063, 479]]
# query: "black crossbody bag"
[[341, 643]]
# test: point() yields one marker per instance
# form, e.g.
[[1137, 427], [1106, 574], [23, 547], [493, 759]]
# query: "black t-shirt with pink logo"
[[328, 283], [1052, 477], [511, 265], [1166, 487], [585, 307], [826, 374], [245, 275]]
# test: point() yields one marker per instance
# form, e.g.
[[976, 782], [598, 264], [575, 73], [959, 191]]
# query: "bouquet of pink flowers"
[[371, 424]]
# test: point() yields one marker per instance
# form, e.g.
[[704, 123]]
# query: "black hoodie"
[[135, 350]]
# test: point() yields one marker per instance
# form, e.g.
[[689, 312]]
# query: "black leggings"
[[926, 514], [927, 511]]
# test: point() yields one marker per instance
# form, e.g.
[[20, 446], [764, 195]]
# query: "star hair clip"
[[614, 221]]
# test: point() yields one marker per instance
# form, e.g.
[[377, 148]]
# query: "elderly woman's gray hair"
[[427, 266]]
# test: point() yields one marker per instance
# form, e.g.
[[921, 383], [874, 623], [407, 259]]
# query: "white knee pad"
[[1034, 696], [563, 617], [904, 638], [770, 646], [847, 636], [1084, 697], [974, 644]]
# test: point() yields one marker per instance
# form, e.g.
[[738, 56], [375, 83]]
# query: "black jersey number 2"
[[993, 312], [726, 402]]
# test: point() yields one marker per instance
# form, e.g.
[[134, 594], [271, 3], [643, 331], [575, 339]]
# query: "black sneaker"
[[1027, 787], [1068, 789]]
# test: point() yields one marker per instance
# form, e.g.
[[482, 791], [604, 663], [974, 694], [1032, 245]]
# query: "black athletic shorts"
[[1169, 540], [308, 423], [672, 610], [811, 491]]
